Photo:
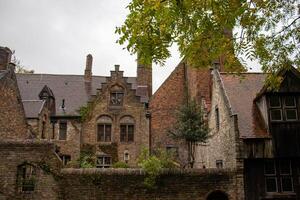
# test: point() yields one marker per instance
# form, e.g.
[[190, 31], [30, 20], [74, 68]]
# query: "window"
[[26, 177], [217, 118], [219, 164], [65, 159], [103, 161], [62, 130], [172, 151], [127, 129], [126, 156], [43, 130], [283, 108], [116, 96], [104, 129], [278, 176]]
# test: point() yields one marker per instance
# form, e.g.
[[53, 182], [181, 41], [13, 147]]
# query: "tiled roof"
[[71, 88], [33, 108], [241, 91]]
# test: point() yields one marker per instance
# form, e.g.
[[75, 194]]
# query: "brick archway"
[[217, 195]]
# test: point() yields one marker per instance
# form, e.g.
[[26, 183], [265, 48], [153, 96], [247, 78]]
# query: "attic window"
[[283, 108], [116, 95]]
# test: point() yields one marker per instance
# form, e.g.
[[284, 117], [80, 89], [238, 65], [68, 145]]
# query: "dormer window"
[[116, 96], [283, 108]]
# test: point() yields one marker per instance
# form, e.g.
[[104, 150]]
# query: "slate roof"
[[71, 88], [241, 92], [33, 108]]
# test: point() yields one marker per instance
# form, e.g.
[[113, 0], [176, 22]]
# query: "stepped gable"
[[70, 88]]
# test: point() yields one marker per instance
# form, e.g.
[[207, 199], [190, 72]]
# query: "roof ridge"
[[41, 74]]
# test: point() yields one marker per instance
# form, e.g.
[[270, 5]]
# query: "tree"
[[20, 68], [190, 127], [266, 30]]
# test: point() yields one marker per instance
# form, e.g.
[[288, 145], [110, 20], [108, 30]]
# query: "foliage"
[[120, 165], [153, 164], [265, 30], [190, 127], [84, 112], [86, 160]]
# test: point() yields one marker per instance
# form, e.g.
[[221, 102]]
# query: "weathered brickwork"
[[40, 155], [12, 118], [125, 184], [131, 106], [163, 105]]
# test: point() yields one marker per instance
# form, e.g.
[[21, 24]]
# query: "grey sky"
[[54, 36]]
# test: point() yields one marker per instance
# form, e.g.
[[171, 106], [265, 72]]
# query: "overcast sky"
[[54, 36]]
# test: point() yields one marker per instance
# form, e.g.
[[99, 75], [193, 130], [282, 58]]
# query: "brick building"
[[48, 120]]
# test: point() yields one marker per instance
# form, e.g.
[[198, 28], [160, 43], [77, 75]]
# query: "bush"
[[120, 165]]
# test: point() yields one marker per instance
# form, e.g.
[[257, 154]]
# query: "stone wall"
[[127, 184], [222, 145], [39, 154]]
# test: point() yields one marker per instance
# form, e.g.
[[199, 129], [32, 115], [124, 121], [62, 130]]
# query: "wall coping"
[[138, 171], [26, 143]]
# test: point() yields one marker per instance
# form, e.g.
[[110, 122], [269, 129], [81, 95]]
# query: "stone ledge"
[[137, 171]]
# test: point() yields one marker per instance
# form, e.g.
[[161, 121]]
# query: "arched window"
[[127, 129], [104, 124], [26, 177], [116, 95], [217, 195]]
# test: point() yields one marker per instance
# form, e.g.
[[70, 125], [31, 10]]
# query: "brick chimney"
[[144, 76], [5, 57], [88, 68]]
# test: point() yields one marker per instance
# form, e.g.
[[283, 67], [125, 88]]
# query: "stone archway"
[[217, 195]]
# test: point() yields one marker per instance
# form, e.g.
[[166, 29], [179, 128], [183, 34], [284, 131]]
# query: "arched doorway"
[[217, 195]]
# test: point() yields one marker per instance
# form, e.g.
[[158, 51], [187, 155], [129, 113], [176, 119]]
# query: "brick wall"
[[163, 105], [12, 116], [127, 184], [39, 154]]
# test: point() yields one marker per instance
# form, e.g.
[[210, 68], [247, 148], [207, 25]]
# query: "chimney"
[[88, 68], [5, 57], [144, 75]]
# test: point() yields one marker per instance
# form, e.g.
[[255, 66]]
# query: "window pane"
[[290, 102], [285, 167], [291, 114], [271, 184], [107, 160], [276, 115], [287, 184], [123, 133], [62, 130], [130, 133], [100, 133], [270, 167], [107, 133], [275, 102]]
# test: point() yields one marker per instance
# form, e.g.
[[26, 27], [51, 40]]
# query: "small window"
[[290, 101], [270, 176], [219, 164], [103, 162], [291, 114], [26, 178], [275, 102], [104, 133], [286, 176], [65, 159], [62, 130], [172, 151], [276, 114], [104, 129], [43, 130], [127, 129], [217, 118], [116, 95]]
